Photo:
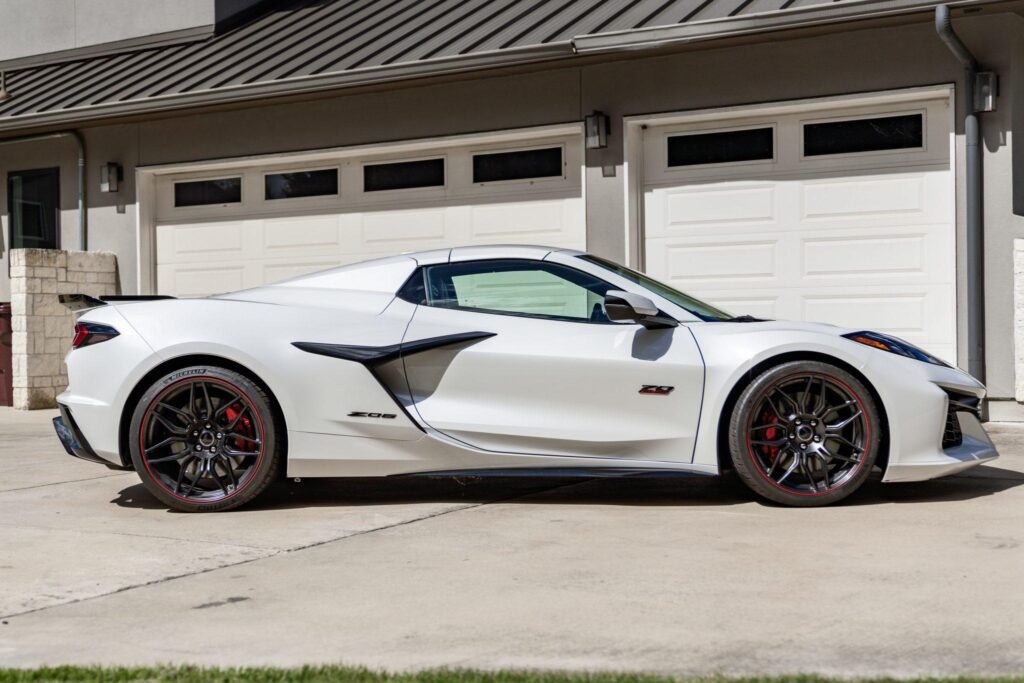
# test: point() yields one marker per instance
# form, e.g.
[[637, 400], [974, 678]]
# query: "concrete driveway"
[[657, 574]]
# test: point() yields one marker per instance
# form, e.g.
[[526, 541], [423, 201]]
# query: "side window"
[[33, 205], [518, 287]]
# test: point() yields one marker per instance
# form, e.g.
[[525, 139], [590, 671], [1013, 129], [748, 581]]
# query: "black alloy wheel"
[[204, 439], [804, 433]]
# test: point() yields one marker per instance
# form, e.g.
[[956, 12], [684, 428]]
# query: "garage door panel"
[[889, 199], [380, 228], [196, 280], [300, 233], [539, 221], [887, 257], [201, 239], [733, 203], [860, 241], [696, 263], [857, 197]]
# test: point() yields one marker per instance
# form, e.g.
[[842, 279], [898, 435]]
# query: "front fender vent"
[[958, 403]]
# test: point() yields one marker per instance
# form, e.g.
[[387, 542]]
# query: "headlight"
[[894, 345]]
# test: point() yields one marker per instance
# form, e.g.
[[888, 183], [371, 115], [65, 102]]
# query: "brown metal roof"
[[322, 44]]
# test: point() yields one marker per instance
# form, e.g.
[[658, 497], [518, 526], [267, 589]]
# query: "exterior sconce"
[[111, 175], [596, 128]]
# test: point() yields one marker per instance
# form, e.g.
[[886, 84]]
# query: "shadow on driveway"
[[640, 490]]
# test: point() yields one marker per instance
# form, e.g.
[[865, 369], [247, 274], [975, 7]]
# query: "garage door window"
[[403, 175], [523, 288], [864, 135], [300, 184], [722, 147], [519, 165], [208, 192]]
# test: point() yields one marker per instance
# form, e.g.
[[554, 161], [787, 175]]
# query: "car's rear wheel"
[[804, 433], [205, 439]]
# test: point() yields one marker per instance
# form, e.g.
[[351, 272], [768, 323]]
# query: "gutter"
[[975, 196], [83, 216]]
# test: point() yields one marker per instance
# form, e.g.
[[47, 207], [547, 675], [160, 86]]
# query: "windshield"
[[697, 307]]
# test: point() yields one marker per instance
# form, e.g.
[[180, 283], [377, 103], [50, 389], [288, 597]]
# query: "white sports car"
[[498, 360]]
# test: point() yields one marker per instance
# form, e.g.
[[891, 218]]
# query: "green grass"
[[341, 674]]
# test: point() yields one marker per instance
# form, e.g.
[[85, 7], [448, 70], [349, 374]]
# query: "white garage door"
[[223, 230], [839, 216]]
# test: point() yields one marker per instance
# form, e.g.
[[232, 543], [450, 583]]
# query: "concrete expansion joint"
[[273, 552]]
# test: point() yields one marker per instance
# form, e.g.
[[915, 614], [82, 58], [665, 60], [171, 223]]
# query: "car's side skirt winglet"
[[375, 355]]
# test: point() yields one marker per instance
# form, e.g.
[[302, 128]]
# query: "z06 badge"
[[656, 389]]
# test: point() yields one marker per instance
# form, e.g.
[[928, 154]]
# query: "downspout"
[[975, 210], [83, 217]]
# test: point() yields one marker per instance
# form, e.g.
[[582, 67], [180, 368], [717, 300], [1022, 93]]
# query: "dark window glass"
[[300, 184], [33, 204], [204, 192], [864, 135], [403, 175], [530, 163], [730, 146]]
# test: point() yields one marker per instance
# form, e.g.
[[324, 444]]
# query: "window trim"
[[219, 176], [923, 149], [56, 170], [410, 286], [536, 180], [283, 201], [423, 189]]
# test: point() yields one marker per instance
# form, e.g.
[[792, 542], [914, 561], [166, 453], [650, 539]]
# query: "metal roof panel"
[[340, 42]]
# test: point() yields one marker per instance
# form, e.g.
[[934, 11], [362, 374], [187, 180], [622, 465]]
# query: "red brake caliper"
[[244, 426], [770, 434]]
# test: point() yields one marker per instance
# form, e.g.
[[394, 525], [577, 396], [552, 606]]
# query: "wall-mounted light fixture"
[[596, 128], [4, 95], [111, 175]]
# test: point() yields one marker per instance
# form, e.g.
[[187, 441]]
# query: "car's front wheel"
[[804, 433], [205, 439]]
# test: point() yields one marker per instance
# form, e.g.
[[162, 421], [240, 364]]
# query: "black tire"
[[205, 439], [805, 434]]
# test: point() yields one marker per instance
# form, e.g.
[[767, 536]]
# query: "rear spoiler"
[[83, 302]]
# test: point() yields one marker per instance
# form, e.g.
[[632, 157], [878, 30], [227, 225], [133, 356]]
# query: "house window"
[[403, 175], [207, 192], [722, 147], [518, 165], [864, 135], [33, 204], [300, 184]]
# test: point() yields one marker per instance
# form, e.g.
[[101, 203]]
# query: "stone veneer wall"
[[42, 327]]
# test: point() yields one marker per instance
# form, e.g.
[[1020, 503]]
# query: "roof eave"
[[638, 39]]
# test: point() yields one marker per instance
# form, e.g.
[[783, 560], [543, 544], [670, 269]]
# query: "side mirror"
[[626, 307]]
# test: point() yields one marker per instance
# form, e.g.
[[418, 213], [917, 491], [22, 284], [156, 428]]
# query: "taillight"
[[87, 334]]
